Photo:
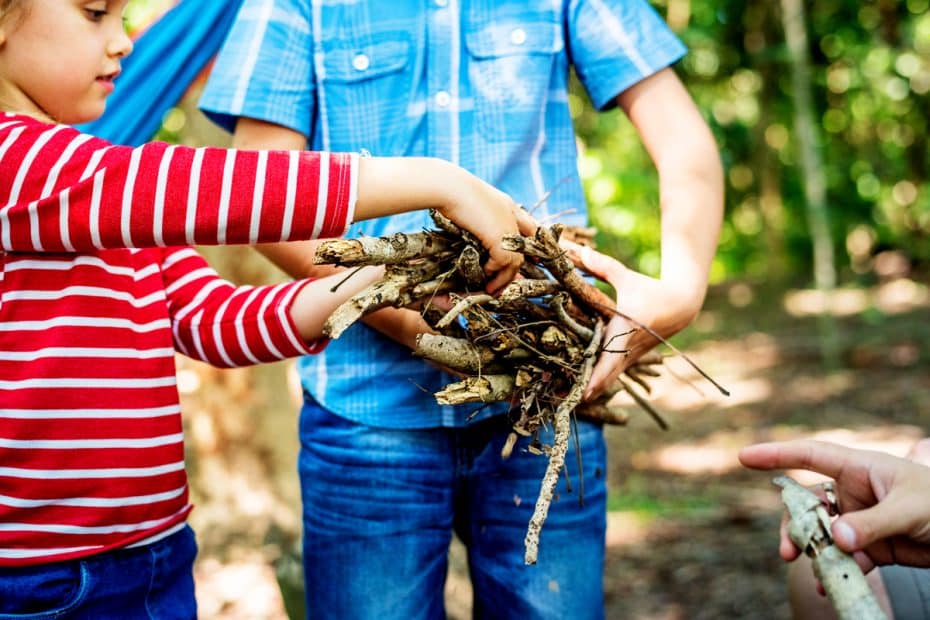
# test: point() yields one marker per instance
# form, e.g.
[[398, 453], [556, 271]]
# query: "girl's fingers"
[[526, 223], [503, 271]]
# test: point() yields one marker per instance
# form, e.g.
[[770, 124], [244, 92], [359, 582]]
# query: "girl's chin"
[[79, 117]]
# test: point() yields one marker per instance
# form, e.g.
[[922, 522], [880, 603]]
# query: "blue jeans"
[[155, 581], [380, 506]]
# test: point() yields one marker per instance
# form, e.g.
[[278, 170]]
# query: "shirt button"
[[361, 62], [442, 3], [518, 36], [443, 99]]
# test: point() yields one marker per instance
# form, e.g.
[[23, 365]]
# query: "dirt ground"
[[691, 534], [707, 536]]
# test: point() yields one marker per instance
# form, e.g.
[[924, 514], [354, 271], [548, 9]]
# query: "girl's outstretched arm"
[[70, 192], [225, 325]]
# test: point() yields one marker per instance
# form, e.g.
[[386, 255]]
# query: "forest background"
[[818, 318]]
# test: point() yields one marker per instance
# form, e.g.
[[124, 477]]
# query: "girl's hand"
[[660, 306], [489, 214], [389, 185], [883, 500]]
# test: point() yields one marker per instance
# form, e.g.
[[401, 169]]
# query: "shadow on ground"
[[694, 535]]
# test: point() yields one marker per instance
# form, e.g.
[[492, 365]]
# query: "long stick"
[[562, 428]]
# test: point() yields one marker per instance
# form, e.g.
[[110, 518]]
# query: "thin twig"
[[642, 402]]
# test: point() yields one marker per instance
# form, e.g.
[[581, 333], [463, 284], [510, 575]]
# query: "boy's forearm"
[[691, 190], [690, 179], [295, 258]]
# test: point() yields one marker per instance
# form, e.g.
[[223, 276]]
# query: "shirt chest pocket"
[[366, 85], [510, 69]]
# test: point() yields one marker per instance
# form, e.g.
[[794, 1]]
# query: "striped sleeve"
[[63, 191], [225, 325]]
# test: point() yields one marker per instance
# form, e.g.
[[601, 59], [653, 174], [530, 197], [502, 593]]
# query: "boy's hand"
[[660, 306]]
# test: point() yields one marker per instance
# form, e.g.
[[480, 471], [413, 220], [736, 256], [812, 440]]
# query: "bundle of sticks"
[[533, 345]]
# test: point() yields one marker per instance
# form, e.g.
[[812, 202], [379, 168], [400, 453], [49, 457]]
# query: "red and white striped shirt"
[[95, 298]]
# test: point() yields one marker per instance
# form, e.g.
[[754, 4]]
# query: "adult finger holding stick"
[[883, 499]]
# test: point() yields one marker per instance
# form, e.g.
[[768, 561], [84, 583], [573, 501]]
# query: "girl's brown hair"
[[11, 5], [8, 5]]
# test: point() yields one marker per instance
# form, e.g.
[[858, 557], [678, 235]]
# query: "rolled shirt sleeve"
[[616, 43], [265, 68]]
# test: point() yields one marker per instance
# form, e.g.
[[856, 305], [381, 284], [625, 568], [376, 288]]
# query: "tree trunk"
[[812, 170]]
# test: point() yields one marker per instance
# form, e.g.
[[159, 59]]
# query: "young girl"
[[97, 296]]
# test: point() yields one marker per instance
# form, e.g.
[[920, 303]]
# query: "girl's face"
[[58, 58]]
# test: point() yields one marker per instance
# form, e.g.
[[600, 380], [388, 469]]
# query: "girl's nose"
[[121, 45]]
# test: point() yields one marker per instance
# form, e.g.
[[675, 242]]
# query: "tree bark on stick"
[[842, 579], [391, 250], [483, 389], [397, 288], [546, 247]]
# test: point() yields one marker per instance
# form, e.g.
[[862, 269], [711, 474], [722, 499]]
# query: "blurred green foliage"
[[140, 13], [870, 66], [871, 79]]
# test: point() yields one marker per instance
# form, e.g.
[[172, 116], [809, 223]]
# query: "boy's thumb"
[[857, 530]]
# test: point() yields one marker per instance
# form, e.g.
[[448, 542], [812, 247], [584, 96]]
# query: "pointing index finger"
[[824, 458]]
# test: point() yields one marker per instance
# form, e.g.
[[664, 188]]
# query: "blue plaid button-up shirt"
[[482, 83]]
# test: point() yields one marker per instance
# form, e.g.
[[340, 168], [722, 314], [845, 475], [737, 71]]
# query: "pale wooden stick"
[[562, 427], [483, 389], [461, 306], [397, 248], [842, 579]]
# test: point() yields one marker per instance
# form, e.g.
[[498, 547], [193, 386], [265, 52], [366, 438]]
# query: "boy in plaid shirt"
[[387, 474]]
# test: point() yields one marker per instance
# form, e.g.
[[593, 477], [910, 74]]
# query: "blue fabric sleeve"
[[265, 68], [616, 43]]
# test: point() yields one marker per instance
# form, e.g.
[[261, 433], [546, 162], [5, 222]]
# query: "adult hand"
[[884, 501], [663, 308]]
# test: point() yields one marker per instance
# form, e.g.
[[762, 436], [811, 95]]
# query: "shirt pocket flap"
[[364, 62], [514, 39]]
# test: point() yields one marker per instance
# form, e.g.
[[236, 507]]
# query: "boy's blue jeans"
[[380, 506], [153, 582]]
